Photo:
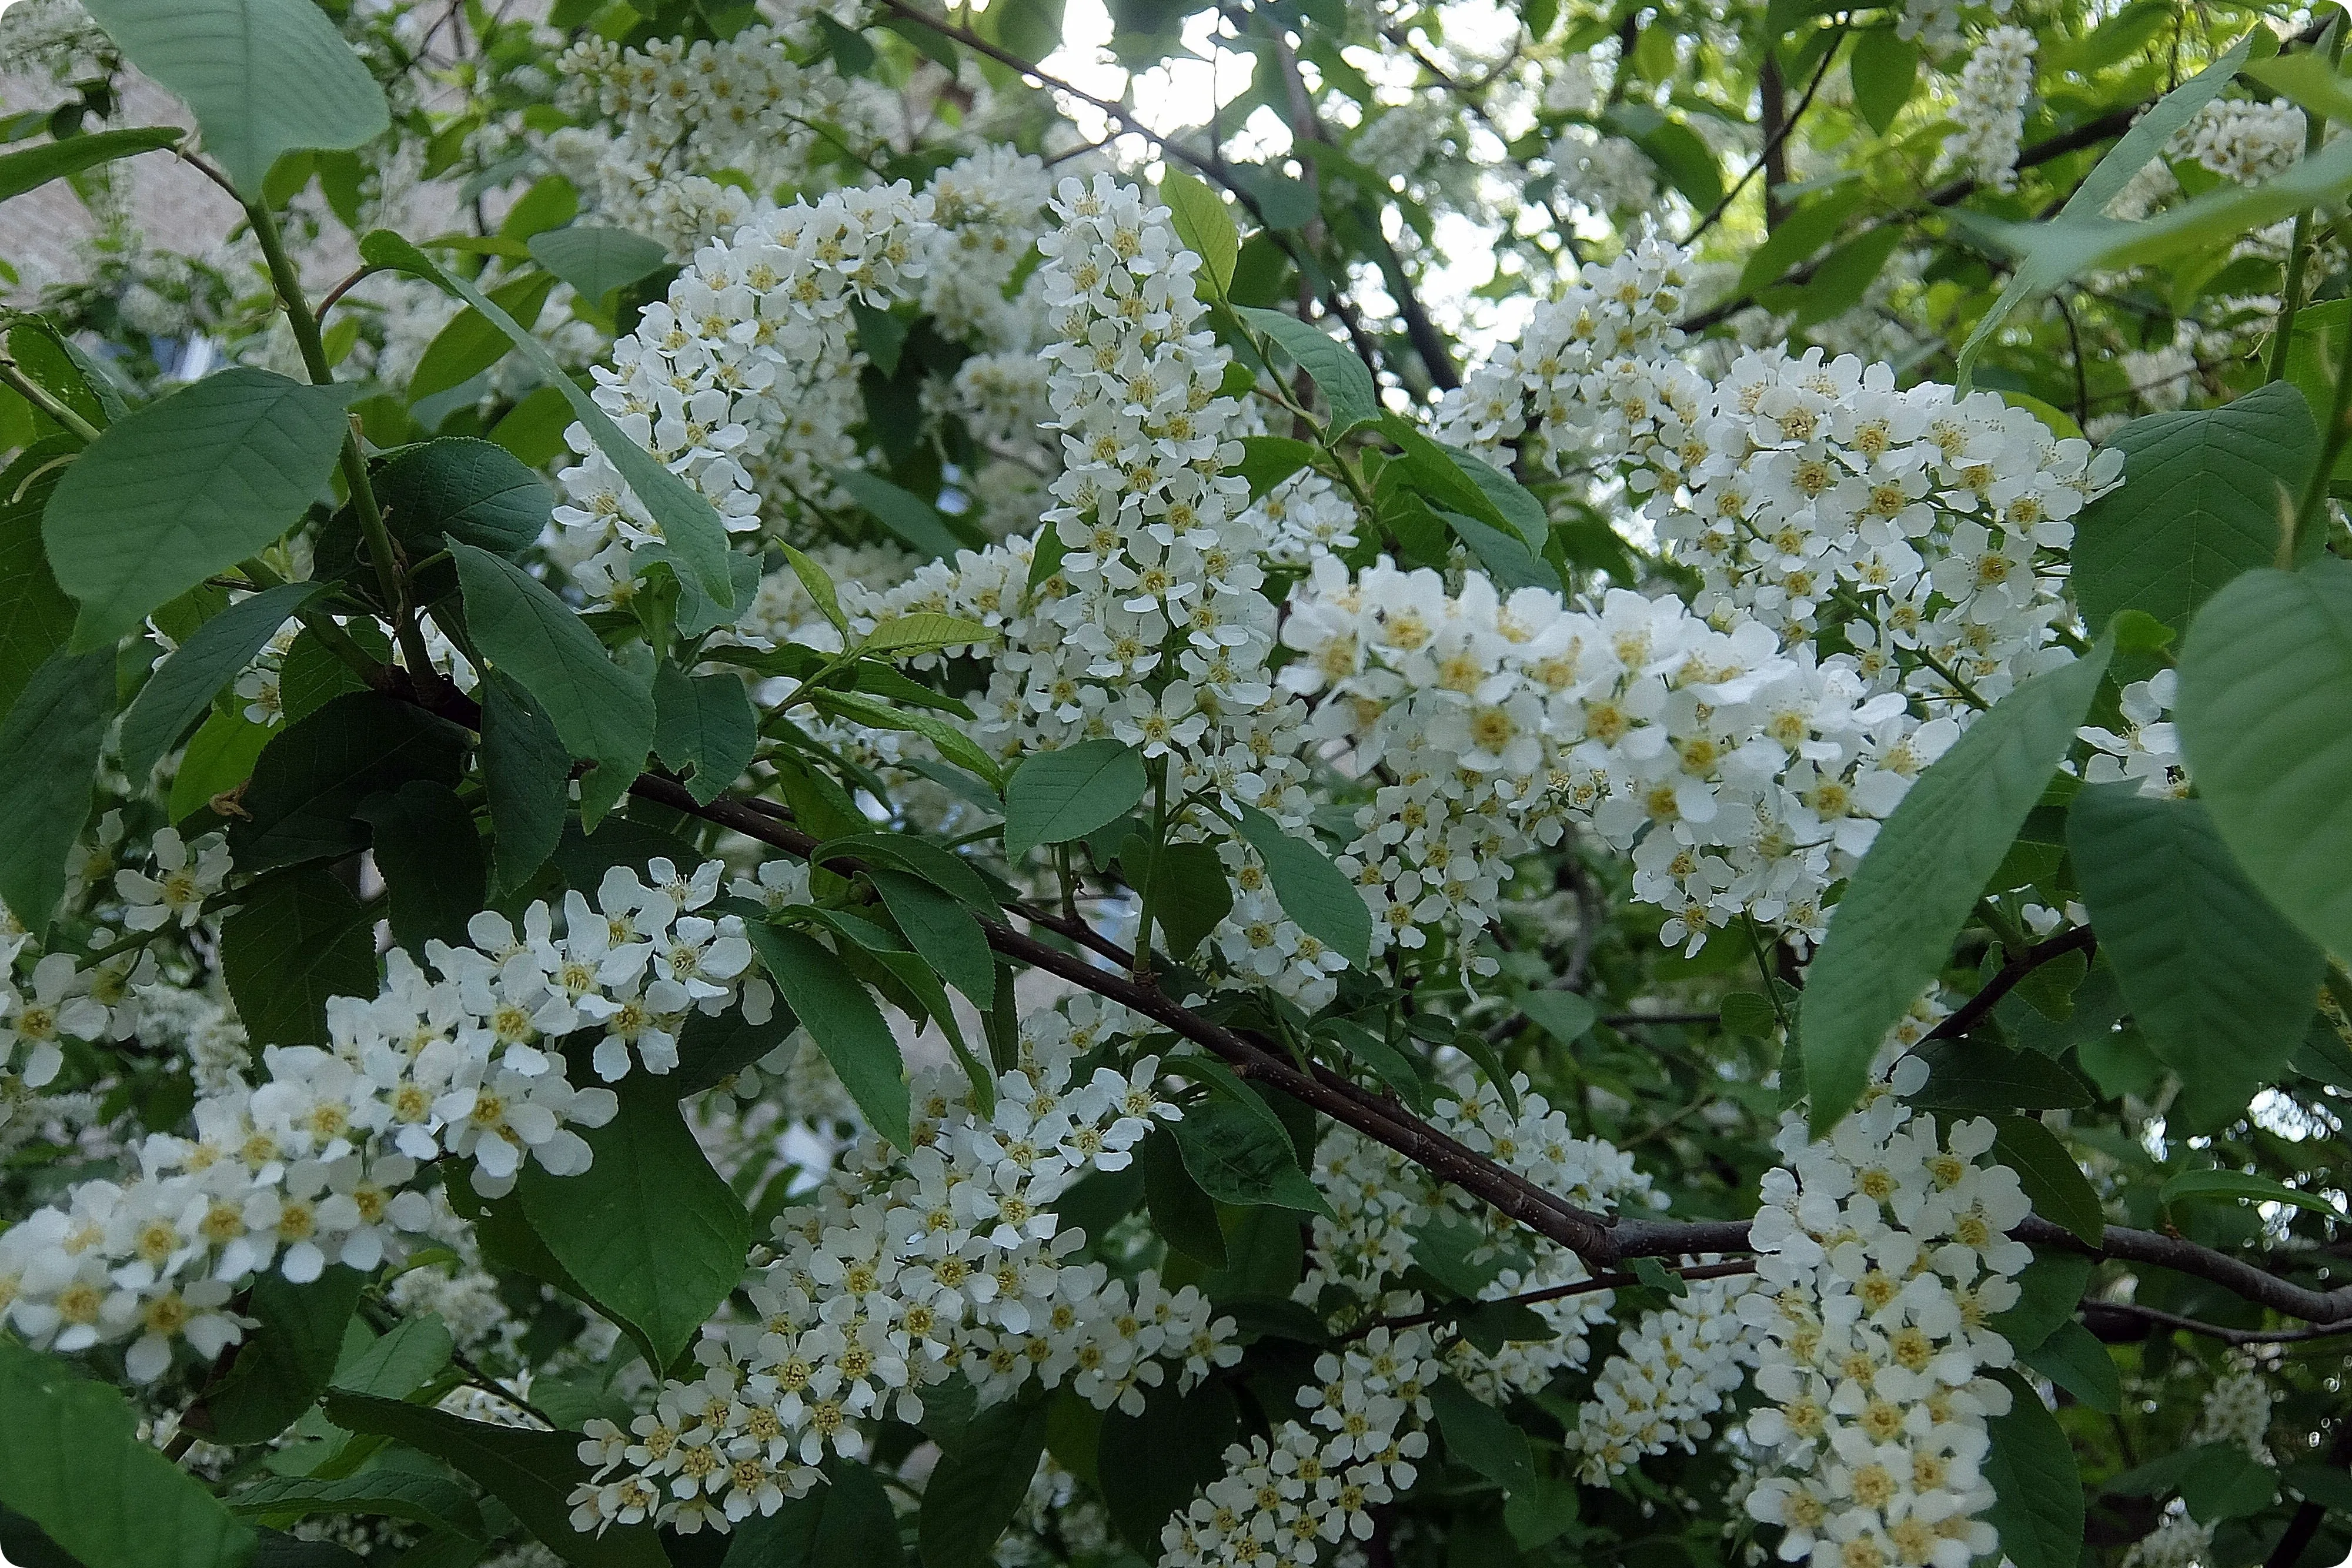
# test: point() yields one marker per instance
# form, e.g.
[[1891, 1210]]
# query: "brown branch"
[[1968, 1014], [1773, 161], [1555, 1293], [2117, 1322]]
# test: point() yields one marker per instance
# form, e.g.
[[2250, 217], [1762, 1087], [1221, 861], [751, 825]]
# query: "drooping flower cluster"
[[990, 208], [1284, 1500], [910, 1267], [2237, 1411], [1671, 1374], [1883, 1253], [313, 1165], [1989, 106], [745, 378], [1384, 1207], [1743, 779]]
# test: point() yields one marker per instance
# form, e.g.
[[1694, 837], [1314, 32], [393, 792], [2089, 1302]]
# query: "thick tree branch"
[[1968, 1014]]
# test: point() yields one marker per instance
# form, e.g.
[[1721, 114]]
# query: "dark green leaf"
[[383, 1494], [295, 941], [37, 166], [179, 692], [2075, 1359], [188, 487], [2266, 716], [653, 1234], [1314, 893], [595, 261], [284, 1366], [1972, 1075], [2202, 501], [846, 1024], [712, 1049], [2037, 1495], [1481, 1437], [1187, 890], [1237, 1158], [1151, 1465], [2048, 1289], [460, 488], [312, 777], [1563, 1015], [2232, 1186], [1056, 796], [941, 929], [974, 1491], [1913, 892], [915, 520], [430, 855], [472, 342], [2217, 978], [532, 1472], [525, 771], [2060, 1192], [705, 728], [604, 714], [2222, 1481], [72, 1461], [1337, 373], [36, 617], [60, 719], [1184, 1216]]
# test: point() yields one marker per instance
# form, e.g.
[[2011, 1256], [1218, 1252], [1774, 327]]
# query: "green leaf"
[[942, 868], [2308, 79], [400, 1363], [1337, 373], [2231, 1187], [2048, 1290], [60, 719], [915, 520], [1885, 67], [37, 166], [472, 342], [72, 1461], [281, 1369], [381, 1493], [1481, 1437], [295, 941], [706, 726], [819, 583], [653, 1234], [2265, 716], [2037, 1493], [1913, 892], [180, 691], [460, 488], [1188, 888], [1973, 1075], [1268, 460], [1511, 563], [188, 487], [36, 617], [1749, 1013], [951, 742], [1563, 1015], [429, 854], [975, 1490], [1151, 1464], [595, 261], [2075, 1359], [2202, 501], [1313, 891], [1237, 1158], [1056, 796], [924, 633], [691, 526], [532, 1472], [1184, 1216], [1845, 274], [2219, 981], [847, 1521], [525, 772], [2044, 270], [2317, 1483], [846, 1024], [2223, 1480], [263, 77], [1204, 226], [307, 785], [942, 929], [2060, 1192], [219, 757], [603, 713]]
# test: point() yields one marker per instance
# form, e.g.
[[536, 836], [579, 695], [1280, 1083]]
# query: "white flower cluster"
[[906, 1267], [1382, 1204], [312, 1166], [1742, 779], [748, 363], [2178, 1542], [1283, 1500], [2241, 139], [1306, 515], [2149, 747], [2237, 1411], [1589, 375], [990, 208], [1884, 1254], [1807, 493], [1989, 106], [1672, 1373]]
